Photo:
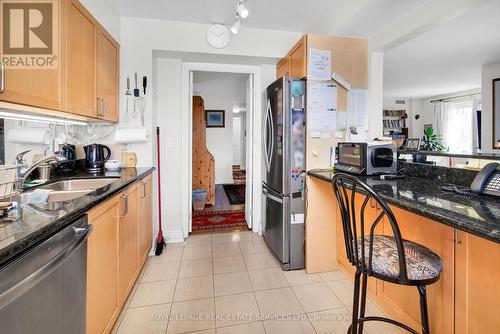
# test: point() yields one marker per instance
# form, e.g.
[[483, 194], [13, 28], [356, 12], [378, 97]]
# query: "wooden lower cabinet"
[[402, 302], [102, 267], [144, 226], [128, 240], [113, 259], [477, 275]]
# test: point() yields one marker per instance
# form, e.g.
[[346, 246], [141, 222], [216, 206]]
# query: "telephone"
[[487, 181]]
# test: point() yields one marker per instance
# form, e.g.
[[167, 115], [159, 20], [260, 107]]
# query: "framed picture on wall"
[[215, 118]]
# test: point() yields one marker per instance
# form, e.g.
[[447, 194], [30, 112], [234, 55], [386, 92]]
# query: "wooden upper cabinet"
[[294, 64], [38, 87], [477, 296], [108, 52], [298, 59], [283, 67], [81, 61]]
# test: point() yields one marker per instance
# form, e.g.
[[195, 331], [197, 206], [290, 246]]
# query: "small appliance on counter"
[[113, 165], [95, 157], [69, 152], [129, 159], [367, 158]]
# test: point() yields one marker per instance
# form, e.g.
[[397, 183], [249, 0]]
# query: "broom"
[[160, 241]]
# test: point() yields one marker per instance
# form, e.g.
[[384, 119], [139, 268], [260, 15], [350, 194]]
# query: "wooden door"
[[81, 61], [102, 268], [477, 296], [145, 218], [127, 255], [107, 77], [39, 87], [402, 302], [283, 67], [298, 59]]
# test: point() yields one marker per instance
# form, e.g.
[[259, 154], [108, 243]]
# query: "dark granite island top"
[[34, 225], [475, 214]]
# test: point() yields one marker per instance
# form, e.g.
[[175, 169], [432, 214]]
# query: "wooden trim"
[[494, 102]]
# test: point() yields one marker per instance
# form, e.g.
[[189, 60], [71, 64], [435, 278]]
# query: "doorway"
[[221, 111]]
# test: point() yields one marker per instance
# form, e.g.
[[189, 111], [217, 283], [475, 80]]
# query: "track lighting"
[[242, 9], [235, 28]]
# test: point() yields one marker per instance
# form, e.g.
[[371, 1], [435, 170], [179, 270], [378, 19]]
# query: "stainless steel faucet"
[[22, 173]]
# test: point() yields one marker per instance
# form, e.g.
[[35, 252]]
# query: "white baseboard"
[[172, 237]]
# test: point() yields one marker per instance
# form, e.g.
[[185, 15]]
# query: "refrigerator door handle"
[[272, 136], [267, 133], [268, 195]]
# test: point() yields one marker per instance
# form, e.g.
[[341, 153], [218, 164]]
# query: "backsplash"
[[456, 176]]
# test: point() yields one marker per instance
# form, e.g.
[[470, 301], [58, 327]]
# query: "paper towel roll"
[[131, 135], [39, 136]]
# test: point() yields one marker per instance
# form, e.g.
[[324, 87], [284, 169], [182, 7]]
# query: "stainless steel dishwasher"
[[44, 289]]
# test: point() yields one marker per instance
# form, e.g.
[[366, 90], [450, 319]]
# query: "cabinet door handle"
[[143, 189], [2, 76], [101, 108], [125, 205], [457, 240]]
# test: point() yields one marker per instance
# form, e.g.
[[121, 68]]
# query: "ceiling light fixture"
[[235, 28], [242, 9]]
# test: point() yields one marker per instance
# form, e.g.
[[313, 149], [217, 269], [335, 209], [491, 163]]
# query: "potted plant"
[[430, 142]]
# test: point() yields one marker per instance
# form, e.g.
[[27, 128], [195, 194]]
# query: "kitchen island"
[[464, 230]]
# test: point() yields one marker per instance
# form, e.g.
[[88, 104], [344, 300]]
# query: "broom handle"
[[159, 179]]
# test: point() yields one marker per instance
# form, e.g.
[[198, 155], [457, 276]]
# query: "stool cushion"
[[421, 262]]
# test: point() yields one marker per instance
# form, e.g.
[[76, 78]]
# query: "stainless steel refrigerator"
[[284, 152]]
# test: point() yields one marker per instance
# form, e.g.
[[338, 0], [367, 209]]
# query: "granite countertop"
[[475, 214], [34, 225]]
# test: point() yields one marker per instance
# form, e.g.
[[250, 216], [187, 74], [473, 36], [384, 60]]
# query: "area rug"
[[235, 193], [239, 175], [219, 220]]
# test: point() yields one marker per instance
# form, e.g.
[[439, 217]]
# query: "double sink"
[[66, 190]]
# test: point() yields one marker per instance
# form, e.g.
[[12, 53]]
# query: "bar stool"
[[388, 258]]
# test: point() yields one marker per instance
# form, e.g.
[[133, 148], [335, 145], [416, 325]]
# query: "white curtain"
[[455, 124], [439, 118]]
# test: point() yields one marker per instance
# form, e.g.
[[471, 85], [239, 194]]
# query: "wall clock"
[[218, 36]]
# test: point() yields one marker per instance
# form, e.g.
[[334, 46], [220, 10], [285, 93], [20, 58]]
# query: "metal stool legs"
[[355, 303], [359, 307], [363, 301], [422, 291]]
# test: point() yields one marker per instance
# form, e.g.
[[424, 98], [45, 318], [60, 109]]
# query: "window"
[[458, 127]]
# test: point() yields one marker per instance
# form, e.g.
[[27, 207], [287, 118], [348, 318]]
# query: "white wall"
[[221, 92], [488, 73], [107, 13], [139, 39]]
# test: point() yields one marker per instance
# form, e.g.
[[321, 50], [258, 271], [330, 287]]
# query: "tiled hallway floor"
[[229, 283]]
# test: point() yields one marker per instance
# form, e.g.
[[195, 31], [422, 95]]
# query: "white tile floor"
[[229, 283]]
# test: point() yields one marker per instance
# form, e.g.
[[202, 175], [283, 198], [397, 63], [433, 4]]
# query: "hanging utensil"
[[126, 117], [144, 84], [136, 89], [128, 92]]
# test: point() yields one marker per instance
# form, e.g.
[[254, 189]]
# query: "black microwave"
[[367, 158]]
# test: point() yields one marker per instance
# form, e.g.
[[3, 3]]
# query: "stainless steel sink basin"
[[57, 196], [79, 184], [68, 190]]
